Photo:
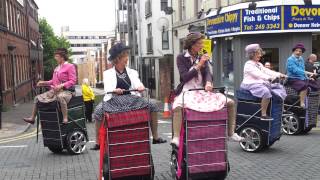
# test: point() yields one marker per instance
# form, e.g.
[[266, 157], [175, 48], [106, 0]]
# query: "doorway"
[[271, 56]]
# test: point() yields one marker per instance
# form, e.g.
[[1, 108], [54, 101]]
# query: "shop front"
[[275, 27]]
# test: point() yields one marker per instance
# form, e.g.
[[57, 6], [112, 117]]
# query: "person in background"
[[267, 65], [88, 99], [297, 74], [309, 64]]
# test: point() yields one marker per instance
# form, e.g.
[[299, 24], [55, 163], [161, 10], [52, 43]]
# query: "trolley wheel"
[[55, 149], [105, 167], [174, 164], [76, 142], [254, 140], [291, 125], [307, 130]]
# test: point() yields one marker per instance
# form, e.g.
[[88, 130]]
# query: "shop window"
[[271, 56], [227, 65]]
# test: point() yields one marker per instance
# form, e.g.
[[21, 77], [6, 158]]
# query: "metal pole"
[[1, 97], [134, 42], [115, 18]]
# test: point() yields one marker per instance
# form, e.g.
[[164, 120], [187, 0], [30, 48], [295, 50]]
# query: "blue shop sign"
[[270, 19], [302, 17], [226, 23], [261, 19]]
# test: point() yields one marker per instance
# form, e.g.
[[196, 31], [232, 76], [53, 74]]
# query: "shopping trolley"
[[125, 150], [202, 153]]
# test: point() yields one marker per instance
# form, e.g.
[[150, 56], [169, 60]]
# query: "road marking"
[[23, 136], [21, 146]]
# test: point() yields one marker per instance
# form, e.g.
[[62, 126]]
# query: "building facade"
[[101, 60], [155, 53], [94, 64], [276, 25], [87, 68], [20, 50], [146, 26], [82, 41], [188, 16]]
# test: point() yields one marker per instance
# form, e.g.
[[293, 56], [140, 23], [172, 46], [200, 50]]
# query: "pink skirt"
[[200, 101]]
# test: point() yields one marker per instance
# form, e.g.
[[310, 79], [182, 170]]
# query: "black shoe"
[[158, 141], [95, 147], [266, 118]]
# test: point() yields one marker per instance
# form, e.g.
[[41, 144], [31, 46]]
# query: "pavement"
[[13, 125], [21, 157]]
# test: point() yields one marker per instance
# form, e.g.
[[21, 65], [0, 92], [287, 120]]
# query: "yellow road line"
[[23, 136]]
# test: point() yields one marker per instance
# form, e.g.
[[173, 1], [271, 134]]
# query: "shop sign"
[[302, 17], [261, 19], [207, 46], [269, 19], [224, 23]]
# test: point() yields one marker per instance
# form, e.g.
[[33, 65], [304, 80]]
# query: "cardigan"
[[255, 72], [296, 68], [184, 65], [66, 74], [110, 81]]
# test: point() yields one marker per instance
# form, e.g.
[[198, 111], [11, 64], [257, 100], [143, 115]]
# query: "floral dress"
[[201, 101]]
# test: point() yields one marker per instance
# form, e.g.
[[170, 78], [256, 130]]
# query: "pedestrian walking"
[[88, 99]]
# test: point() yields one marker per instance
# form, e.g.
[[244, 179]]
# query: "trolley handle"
[[125, 91], [220, 89], [282, 81]]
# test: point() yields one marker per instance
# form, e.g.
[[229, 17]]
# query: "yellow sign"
[[207, 46]]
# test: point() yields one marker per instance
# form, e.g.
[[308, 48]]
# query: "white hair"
[[85, 81]]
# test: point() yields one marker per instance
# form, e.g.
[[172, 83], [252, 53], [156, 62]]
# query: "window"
[[182, 10], [149, 39], [165, 40], [149, 30], [148, 8], [164, 4], [78, 53], [3, 14], [227, 65], [198, 5], [7, 14]]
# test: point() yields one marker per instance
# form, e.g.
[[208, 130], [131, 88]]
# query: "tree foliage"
[[50, 43]]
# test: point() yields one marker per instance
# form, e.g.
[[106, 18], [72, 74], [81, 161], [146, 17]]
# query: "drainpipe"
[[139, 30], [172, 46]]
